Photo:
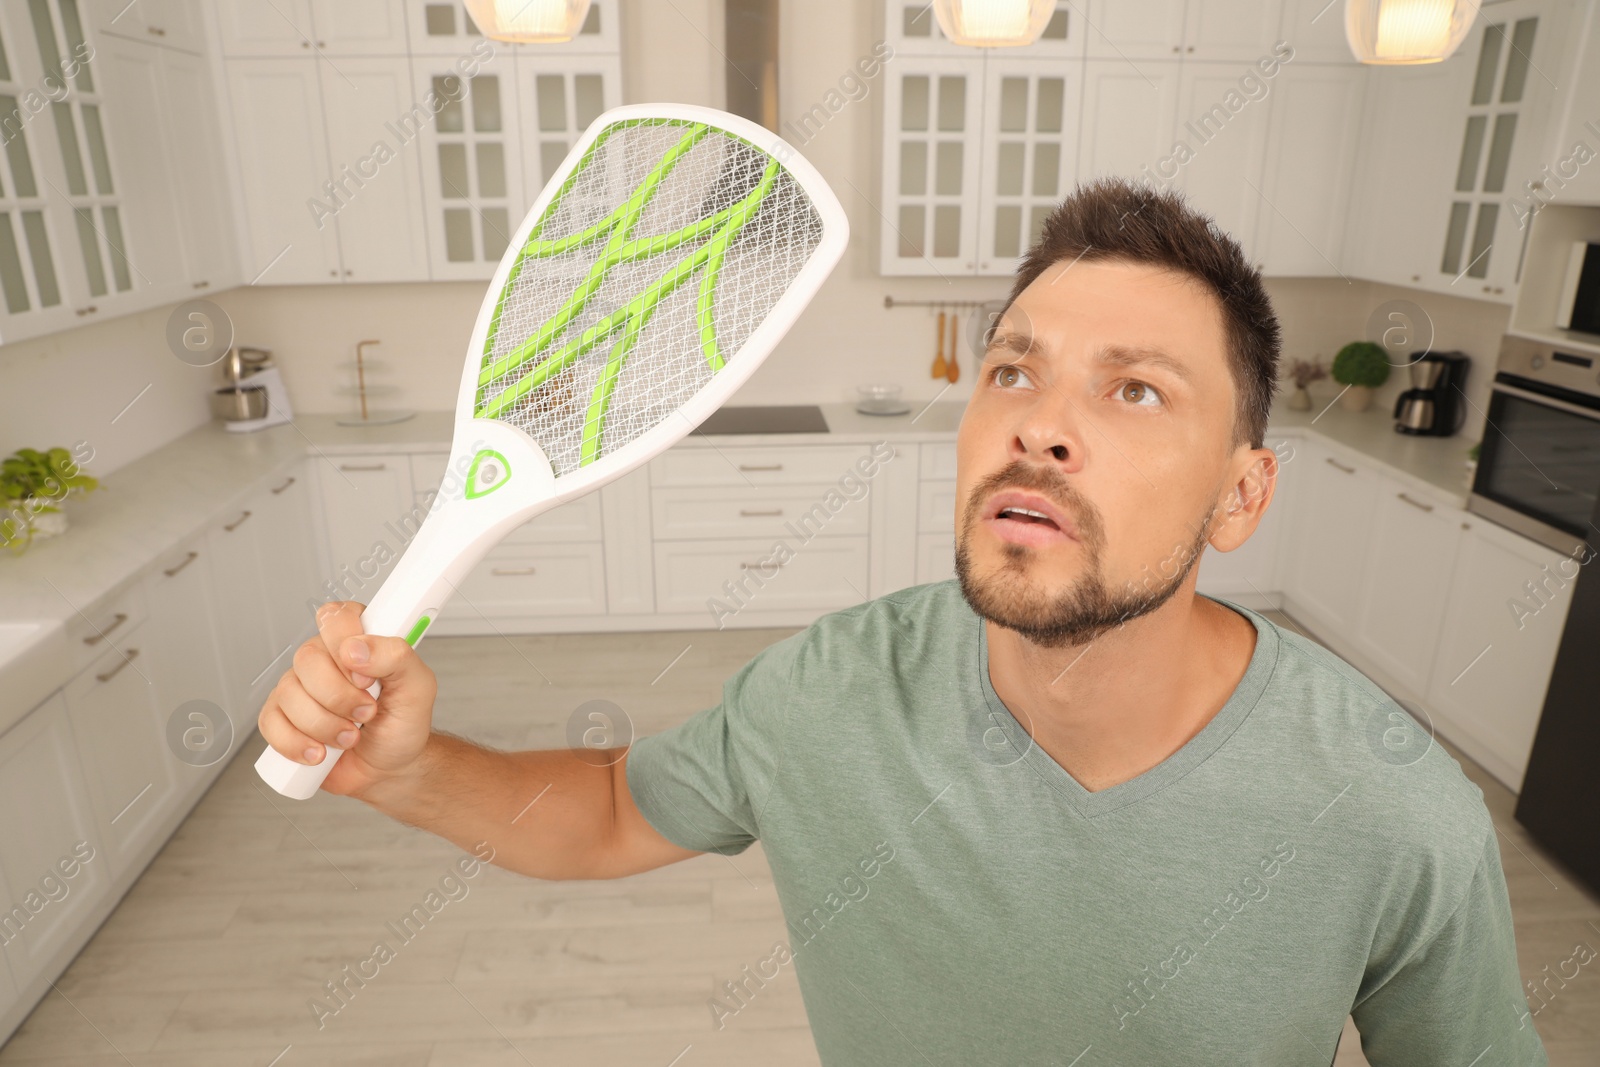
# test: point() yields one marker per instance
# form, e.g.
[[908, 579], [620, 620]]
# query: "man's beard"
[[1087, 609]]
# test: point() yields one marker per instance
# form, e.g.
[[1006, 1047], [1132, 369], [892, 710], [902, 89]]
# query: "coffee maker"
[[1433, 406]]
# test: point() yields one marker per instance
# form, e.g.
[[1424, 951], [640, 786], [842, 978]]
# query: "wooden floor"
[[219, 951]]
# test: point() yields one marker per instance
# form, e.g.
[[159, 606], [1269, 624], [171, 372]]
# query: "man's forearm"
[[546, 814]]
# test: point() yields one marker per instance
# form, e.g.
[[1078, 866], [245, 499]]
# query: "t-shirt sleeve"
[[702, 783], [1457, 997]]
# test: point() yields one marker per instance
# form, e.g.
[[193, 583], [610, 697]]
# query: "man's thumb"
[[388, 659]]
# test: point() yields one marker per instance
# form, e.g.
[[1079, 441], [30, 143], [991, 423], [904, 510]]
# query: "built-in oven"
[[1539, 464]]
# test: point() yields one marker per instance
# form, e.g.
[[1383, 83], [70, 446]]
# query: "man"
[[1061, 810]]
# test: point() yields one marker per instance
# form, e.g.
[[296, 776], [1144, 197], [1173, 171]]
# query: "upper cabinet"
[[398, 144], [1448, 150]]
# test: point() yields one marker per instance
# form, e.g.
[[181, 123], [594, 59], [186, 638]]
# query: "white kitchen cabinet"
[[121, 741], [40, 774], [1502, 623], [1030, 121], [1316, 30], [371, 515], [244, 634], [375, 205], [933, 115], [936, 557], [1235, 31], [265, 27], [1327, 546], [1129, 114], [561, 94], [472, 173], [1314, 136], [1126, 30], [1570, 179], [625, 516], [560, 580], [174, 24], [288, 554], [282, 155], [823, 574], [134, 114], [1223, 178], [1409, 570], [359, 28], [181, 632], [199, 182]]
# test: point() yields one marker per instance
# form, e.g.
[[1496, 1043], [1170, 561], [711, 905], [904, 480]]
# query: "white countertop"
[[146, 508]]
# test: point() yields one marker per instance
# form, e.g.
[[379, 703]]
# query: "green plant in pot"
[[1363, 367], [33, 485]]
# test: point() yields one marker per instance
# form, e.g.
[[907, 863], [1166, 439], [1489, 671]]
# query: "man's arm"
[[1456, 998], [555, 814]]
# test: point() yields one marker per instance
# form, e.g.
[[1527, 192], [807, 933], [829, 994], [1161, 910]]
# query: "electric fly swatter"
[[658, 268]]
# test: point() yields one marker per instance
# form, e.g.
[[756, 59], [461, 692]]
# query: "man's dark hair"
[[1111, 218]]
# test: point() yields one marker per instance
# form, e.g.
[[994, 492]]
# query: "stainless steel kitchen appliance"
[[1433, 406], [1539, 467], [253, 396]]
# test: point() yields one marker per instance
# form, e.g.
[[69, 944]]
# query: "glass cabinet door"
[[29, 278], [1030, 127], [562, 95], [933, 118], [79, 174]]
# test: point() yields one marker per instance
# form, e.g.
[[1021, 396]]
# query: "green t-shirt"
[[953, 896]]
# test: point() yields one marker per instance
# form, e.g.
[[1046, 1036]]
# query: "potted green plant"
[[1362, 366], [33, 485]]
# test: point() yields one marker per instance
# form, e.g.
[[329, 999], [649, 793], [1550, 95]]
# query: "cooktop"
[[801, 418]]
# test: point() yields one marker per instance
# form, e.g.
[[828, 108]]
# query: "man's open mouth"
[[1028, 518], [1024, 515]]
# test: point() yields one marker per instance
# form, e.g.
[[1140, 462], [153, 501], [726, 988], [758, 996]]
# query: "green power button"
[[418, 630]]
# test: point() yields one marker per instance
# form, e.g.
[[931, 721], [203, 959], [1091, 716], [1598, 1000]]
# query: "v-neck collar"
[[1194, 752]]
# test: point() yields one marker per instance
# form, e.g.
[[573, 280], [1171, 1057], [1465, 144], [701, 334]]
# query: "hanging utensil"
[[955, 344], [940, 369]]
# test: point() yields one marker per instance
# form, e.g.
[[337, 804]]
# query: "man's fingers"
[[337, 620], [326, 682], [389, 659]]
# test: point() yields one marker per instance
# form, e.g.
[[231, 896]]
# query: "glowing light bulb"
[[1407, 31], [993, 23], [529, 21]]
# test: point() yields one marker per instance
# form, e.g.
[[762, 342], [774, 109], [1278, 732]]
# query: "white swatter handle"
[[452, 540]]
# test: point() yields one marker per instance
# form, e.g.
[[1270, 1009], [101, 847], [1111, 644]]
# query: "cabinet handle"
[[284, 486], [1341, 466], [202, 285], [1466, 526], [746, 513], [95, 639], [190, 558], [761, 466], [762, 566], [112, 673], [511, 572], [236, 523], [1176, 48], [1416, 503], [157, 30], [1191, 48], [363, 466], [90, 310]]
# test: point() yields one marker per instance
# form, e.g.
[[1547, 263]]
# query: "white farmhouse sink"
[[33, 664], [15, 637]]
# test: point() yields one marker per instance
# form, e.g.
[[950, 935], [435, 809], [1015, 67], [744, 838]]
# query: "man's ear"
[[1245, 500]]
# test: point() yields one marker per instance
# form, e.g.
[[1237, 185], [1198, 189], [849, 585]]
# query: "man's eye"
[[1008, 375], [1138, 393]]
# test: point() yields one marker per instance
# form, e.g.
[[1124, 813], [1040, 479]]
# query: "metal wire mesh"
[[667, 247]]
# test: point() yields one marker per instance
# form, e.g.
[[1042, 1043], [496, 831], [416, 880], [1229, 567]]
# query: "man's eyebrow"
[[1018, 344], [1133, 356]]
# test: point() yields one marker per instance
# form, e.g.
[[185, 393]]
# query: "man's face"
[[1096, 453]]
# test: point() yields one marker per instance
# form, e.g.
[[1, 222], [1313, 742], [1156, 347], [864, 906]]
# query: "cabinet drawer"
[[755, 465], [939, 460], [698, 576], [90, 633], [936, 507], [551, 580], [725, 512]]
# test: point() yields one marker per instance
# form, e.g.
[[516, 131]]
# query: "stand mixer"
[[254, 397]]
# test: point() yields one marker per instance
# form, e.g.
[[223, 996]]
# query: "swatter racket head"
[[663, 262]]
